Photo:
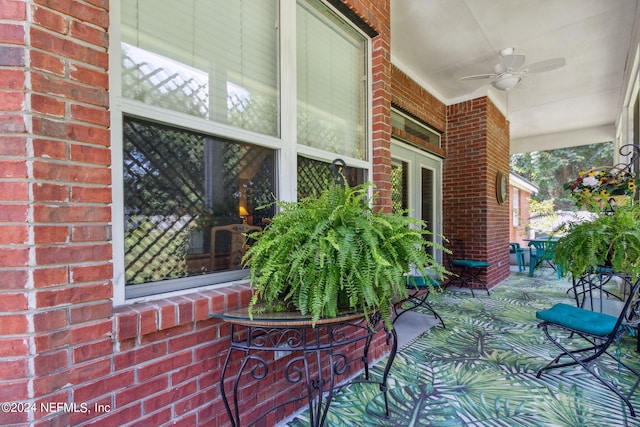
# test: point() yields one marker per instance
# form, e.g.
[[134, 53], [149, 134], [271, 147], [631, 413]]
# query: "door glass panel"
[[416, 186], [427, 186], [399, 187]]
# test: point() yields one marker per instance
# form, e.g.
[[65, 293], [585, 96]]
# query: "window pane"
[[331, 83], [413, 131], [315, 176], [214, 59], [178, 187], [428, 200]]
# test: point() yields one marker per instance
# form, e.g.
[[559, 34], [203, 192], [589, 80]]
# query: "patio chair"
[[419, 288], [467, 270], [542, 251], [516, 249], [585, 337]]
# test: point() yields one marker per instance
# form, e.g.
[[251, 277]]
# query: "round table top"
[[284, 318]]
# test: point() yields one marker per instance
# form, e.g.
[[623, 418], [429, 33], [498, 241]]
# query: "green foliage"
[[322, 254], [549, 169], [611, 239], [544, 207]]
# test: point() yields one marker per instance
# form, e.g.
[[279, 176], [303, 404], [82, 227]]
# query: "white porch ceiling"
[[437, 42]]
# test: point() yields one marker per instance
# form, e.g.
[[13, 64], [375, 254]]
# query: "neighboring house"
[[520, 191], [129, 130]]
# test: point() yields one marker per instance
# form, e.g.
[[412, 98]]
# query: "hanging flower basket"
[[606, 202], [599, 187]]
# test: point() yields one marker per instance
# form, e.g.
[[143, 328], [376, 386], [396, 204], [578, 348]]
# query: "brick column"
[[477, 144], [55, 253]]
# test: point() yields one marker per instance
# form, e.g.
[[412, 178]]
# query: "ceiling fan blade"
[[478, 77], [546, 65], [511, 62], [526, 82]]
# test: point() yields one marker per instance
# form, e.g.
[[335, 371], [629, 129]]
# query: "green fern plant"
[[320, 255], [612, 239]]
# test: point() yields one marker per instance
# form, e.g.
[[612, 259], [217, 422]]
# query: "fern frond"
[[611, 239], [320, 253]]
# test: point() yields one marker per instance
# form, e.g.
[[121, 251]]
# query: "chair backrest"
[[544, 249], [630, 313], [514, 247], [231, 256]]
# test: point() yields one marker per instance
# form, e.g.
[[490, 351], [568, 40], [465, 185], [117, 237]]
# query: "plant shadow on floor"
[[480, 370]]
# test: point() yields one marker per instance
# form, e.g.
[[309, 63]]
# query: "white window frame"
[[515, 206], [285, 146]]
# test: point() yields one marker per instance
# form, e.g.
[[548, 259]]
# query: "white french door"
[[417, 186]]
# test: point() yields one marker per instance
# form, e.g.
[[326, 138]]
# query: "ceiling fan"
[[510, 71]]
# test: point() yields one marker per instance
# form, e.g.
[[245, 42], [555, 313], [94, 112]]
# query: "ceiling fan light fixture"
[[506, 82]]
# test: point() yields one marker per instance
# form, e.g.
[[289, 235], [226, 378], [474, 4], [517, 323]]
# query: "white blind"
[[215, 59], [331, 86]]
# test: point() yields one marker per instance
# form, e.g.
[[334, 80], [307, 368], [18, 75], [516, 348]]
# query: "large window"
[[331, 76], [180, 188], [212, 59], [219, 107]]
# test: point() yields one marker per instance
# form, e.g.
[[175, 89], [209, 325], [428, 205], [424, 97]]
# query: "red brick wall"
[[477, 145], [498, 221], [61, 339], [56, 312], [377, 14], [410, 97]]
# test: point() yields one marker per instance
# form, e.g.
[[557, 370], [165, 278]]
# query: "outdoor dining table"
[[542, 251]]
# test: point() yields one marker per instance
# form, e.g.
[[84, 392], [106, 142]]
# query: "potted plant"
[[321, 255], [611, 239]]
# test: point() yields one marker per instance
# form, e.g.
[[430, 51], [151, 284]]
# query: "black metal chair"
[[419, 288], [585, 336], [467, 270]]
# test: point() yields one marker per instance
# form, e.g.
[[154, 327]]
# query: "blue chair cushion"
[[421, 282], [469, 263], [579, 319]]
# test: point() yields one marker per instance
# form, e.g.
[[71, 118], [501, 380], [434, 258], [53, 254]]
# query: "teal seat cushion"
[[579, 319], [469, 263], [421, 282]]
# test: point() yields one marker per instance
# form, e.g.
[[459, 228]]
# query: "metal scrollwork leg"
[[234, 418], [393, 335], [323, 358]]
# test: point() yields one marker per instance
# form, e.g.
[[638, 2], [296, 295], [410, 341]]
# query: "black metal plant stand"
[[319, 356]]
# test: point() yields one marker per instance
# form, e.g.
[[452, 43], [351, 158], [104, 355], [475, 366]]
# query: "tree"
[[550, 169]]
